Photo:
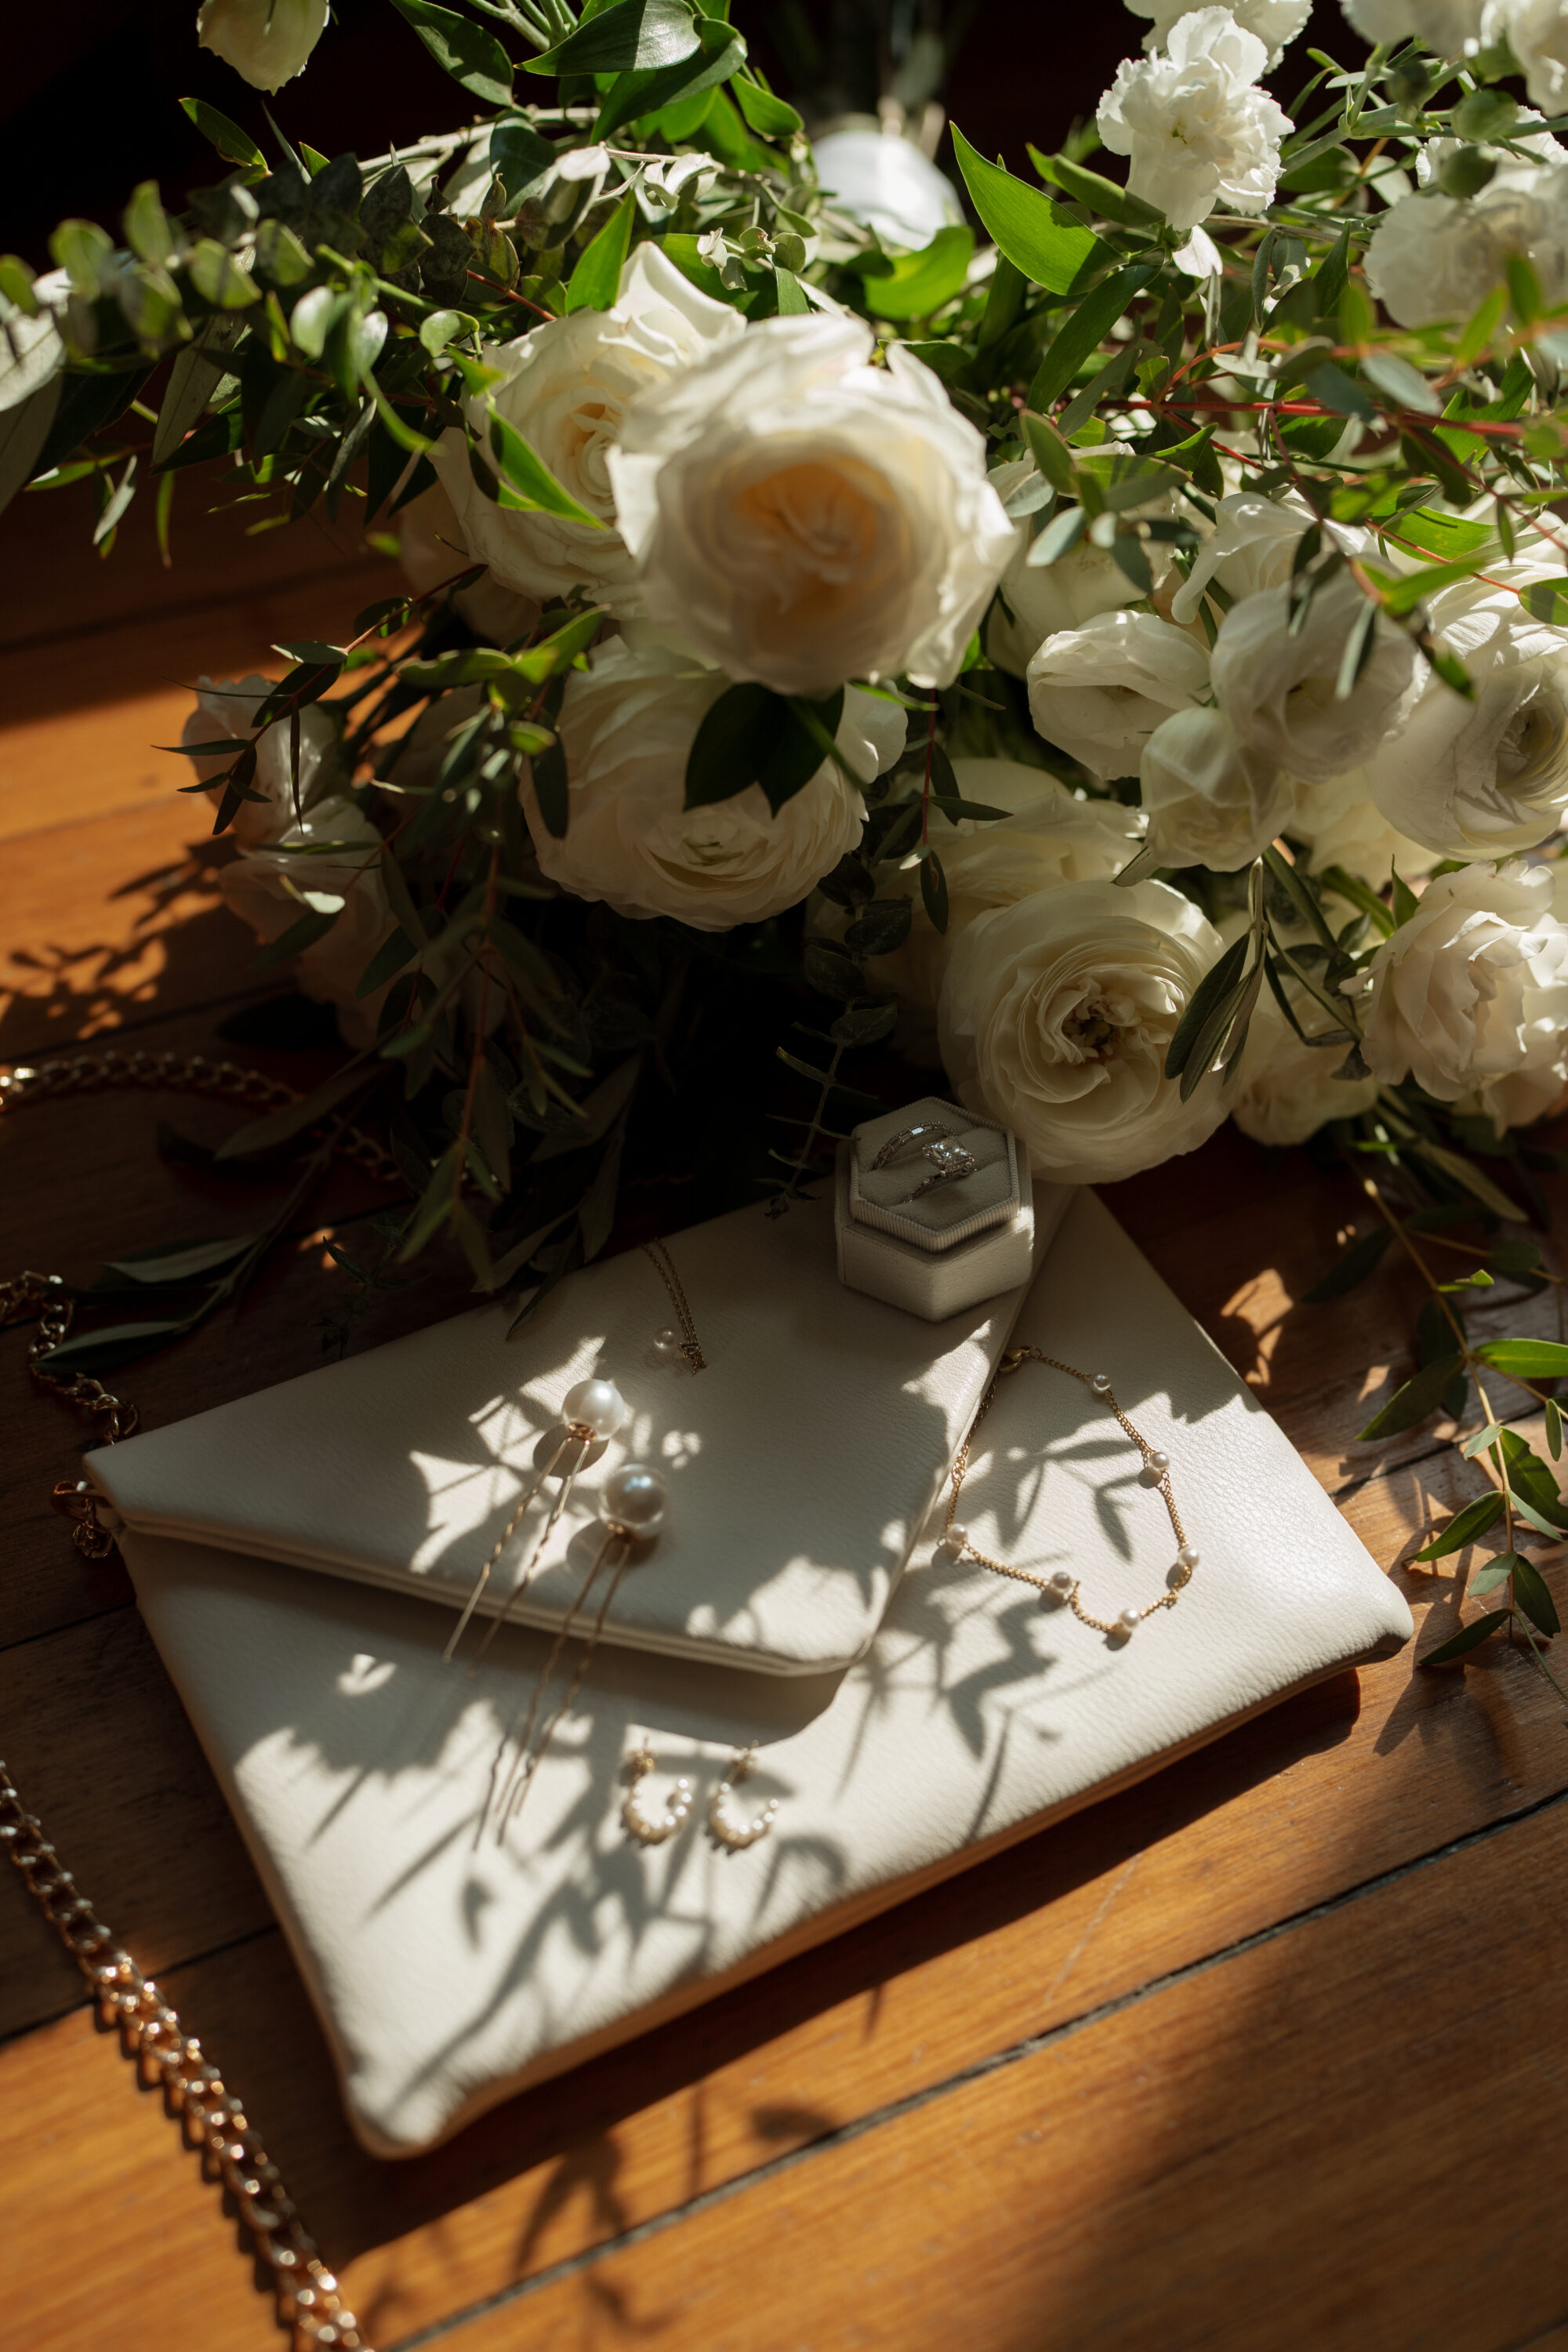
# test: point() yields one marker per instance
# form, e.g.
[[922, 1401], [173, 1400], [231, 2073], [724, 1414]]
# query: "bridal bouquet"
[[1120, 649]]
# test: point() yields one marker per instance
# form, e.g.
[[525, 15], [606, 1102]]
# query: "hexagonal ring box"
[[934, 1210]]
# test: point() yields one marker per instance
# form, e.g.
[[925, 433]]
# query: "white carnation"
[[801, 517], [1275, 22], [272, 886], [1340, 824], [267, 41], [1056, 1017], [1280, 691], [227, 707], [627, 726], [1437, 257], [568, 386], [1470, 995], [1486, 777], [1034, 601], [1098, 693], [1450, 27], [1537, 33], [1206, 804], [1195, 128]]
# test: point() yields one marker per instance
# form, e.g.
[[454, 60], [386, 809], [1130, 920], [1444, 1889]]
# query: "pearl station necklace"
[[1061, 1585]]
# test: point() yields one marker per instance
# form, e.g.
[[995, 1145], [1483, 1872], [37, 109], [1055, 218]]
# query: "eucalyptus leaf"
[[1037, 236]]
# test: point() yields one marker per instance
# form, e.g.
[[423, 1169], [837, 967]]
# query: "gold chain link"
[[690, 1346]]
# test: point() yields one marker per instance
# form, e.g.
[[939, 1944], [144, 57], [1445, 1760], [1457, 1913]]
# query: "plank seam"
[[1030, 2046], [164, 1976], [187, 609]]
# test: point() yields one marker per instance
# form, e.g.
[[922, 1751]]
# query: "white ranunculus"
[[1098, 693], [1451, 27], [801, 517], [1341, 824], [1056, 1017], [1275, 22], [888, 185], [1034, 601], [1205, 804], [261, 887], [1195, 128], [626, 725], [1486, 777], [569, 385], [1252, 546], [431, 548], [267, 41], [1470, 995], [1048, 837], [1286, 1090], [1537, 33], [1437, 258], [1279, 691], [226, 707]]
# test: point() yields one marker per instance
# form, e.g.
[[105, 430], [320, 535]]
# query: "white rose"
[[1437, 257], [1049, 836], [1034, 601], [626, 725], [1056, 1014], [267, 41], [1279, 690], [1099, 692], [568, 386], [226, 707], [888, 185], [1473, 991], [431, 548], [1341, 824], [1489, 777], [801, 517], [1196, 131], [1275, 22], [1205, 804], [1450, 27], [1285, 1090], [261, 886], [1537, 33]]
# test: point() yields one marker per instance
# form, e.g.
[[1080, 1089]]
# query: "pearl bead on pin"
[[596, 1406], [634, 1500]]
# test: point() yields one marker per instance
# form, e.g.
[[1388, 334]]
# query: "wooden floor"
[[1271, 2053]]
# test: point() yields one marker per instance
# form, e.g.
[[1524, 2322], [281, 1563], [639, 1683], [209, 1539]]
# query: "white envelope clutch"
[[801, 1463], [451, 1968]]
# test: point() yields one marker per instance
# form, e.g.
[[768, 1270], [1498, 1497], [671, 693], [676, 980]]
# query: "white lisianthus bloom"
[[1253, 545], [272, 886], [1195, 128], [1275, 22], [1470, 995], [1340, 824], [1098, 693], [569, 384], [431, 548], [1537, 33], [267, 41], [1056, 1014], [1486, 777], [1206, 804], [1451, 27], [1034, 601], [801, 517], [227, 707], [1048, 837], [1279, 690], [1433, 257], [627, 726], [886, 182]]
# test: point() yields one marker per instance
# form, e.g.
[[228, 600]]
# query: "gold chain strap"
[[214, 2116], [1062, 1585]]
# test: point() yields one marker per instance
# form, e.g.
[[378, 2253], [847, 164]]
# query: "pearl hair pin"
[[1061, 1585]]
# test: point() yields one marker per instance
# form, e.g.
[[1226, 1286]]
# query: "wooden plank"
[[1235, 2160]]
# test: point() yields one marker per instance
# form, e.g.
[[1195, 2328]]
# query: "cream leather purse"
[[451, 1967]]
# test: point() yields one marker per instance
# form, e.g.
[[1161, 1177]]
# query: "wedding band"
[[949, 1161], [917, 1134]]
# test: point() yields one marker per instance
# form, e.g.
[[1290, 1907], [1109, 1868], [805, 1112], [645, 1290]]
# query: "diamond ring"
[[923, 1133], [949, 1160]]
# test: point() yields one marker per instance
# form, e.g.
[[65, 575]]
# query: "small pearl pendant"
[[953, 1540], [667, 1344], [1156, 1467], [1101, 1383], [1130, 1619]]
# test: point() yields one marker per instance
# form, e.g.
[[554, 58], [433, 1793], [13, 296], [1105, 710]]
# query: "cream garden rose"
[[227, 707], [1280, 691], [1195, 128], [267, 41], [1206, 804], [1486, 777], [1056, 1016], [568, 388], [626, 725], [1537, 33], [800, 517], [270, 887], [1469, 995], [1099, 692], [1341, 824]]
